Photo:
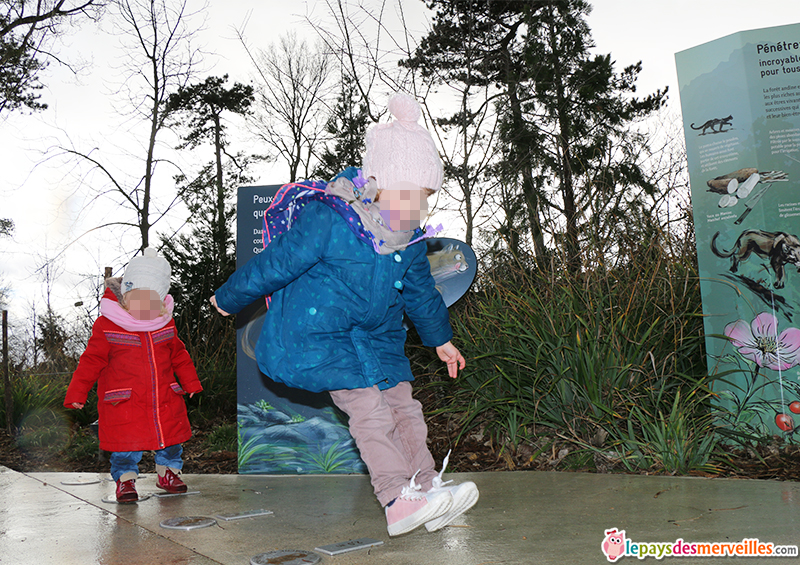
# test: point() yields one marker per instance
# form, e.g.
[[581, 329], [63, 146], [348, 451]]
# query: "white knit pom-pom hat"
[[147, 271], [402, 150]]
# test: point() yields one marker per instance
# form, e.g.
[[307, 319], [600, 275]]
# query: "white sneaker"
[[413, 508], [464, 495]]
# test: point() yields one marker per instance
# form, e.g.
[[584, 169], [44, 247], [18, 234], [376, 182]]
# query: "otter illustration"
[[779, 247], [447, 262], [719, 123]]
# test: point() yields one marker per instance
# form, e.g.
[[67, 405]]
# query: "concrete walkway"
[[521, 518]]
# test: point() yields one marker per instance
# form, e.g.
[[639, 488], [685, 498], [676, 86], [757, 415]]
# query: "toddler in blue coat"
[[340, 281]]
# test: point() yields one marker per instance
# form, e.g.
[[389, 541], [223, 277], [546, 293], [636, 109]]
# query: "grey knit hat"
[[147, 271]]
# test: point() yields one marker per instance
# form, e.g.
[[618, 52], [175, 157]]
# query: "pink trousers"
[[390, 432]]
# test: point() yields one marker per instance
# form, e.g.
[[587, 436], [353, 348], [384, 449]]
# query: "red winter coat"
[[139, 400]]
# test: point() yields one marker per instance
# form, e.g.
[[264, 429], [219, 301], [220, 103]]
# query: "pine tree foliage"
[[568, 166], [347, 127], [205, 257], [54, 343], [25, 29], [6, 227]]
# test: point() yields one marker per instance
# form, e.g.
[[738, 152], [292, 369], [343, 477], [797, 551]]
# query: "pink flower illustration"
[[759, 342]]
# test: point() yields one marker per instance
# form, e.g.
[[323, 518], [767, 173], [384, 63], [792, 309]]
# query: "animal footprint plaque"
[[112, 499], [286, 557], [174, 494], [188, 523], [80, 482]]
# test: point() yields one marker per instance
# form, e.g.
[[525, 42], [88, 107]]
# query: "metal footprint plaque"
[[174, 494], [286, 557], [112, 499], [241, 515], [80, 482], [188, 523]]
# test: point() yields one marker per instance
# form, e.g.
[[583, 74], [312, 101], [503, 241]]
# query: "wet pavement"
[[521, 518]]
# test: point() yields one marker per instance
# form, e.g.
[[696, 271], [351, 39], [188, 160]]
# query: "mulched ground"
[[196, 458], [475, 452]]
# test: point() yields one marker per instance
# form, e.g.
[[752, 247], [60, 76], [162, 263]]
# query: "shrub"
[[611, 360]]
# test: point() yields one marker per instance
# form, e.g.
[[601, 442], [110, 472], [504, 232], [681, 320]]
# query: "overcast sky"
[[654, 30], [43, 201]]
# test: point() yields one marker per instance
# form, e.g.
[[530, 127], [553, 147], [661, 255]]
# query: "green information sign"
[[740, 98]]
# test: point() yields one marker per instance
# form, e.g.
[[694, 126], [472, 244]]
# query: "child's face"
[[403, 206], [143, 304]]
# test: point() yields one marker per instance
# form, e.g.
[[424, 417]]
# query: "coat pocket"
[[117, 395], [176, 388]]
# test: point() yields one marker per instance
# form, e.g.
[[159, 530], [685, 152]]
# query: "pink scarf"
[[112, 310]]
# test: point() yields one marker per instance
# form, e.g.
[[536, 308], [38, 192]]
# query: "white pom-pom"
[[150, 252], [404, 108]]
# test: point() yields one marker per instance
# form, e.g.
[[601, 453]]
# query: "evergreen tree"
[[464, 52], [581, 114], [25, 30], [566, 118], [204, 105], [203, 259], [53, 342], [347, 127], [198, 270], [478, 45], [19, 71]]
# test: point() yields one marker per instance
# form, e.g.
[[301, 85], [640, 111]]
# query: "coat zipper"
[[154, 381]]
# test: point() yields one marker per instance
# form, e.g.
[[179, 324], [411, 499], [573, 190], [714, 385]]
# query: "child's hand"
[[213, 301], [77, 405], [452, 356]]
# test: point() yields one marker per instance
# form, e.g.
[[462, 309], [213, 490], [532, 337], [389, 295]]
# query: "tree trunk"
[[221, 235], [567, 188], [520, 158], [144, 211]]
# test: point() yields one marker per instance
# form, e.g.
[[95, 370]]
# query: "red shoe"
[[171, 483], [126, 491]]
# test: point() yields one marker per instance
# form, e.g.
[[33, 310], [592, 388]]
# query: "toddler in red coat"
[[142, 371]]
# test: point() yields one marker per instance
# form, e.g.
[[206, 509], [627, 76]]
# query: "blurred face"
[[143, 304], [403, 206]]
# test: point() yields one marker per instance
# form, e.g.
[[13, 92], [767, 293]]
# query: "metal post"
[[6, 377], [101, 455]]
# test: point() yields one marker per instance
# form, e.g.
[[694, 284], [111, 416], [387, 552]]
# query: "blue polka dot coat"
[[335, 319]]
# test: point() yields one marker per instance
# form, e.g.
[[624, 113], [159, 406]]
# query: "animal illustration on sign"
[[778, 247], [719, 123], [453, 267], [447, 262]]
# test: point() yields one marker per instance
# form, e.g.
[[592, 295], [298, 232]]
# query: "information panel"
[[740, 98], [282, 430]]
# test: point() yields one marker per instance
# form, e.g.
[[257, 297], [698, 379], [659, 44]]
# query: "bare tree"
[[159, 60], [26, 28], [468, 131], [377, 52], [292, 101], [355, 36]]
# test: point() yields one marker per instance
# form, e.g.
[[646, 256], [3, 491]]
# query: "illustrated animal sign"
[[453, 266], [739, 104], [709, 126], [779, 248]]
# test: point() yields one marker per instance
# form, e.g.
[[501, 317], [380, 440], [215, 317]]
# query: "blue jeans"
[[128, 461]]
